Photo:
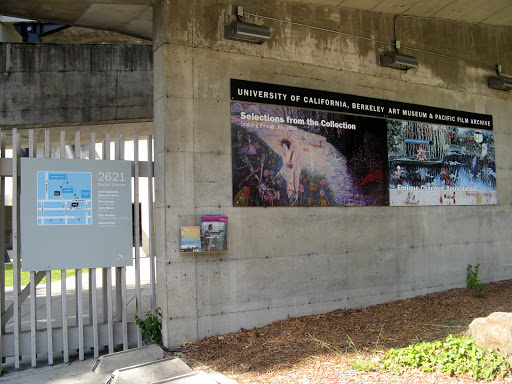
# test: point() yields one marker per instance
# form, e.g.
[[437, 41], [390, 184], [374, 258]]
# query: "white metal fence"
[[44, 324]]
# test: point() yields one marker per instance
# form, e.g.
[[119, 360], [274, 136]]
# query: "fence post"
[[2, 246], [16, 268], [63, 289]]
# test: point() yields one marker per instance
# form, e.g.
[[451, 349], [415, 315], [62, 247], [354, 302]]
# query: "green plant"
[[151, 327], [331, 348], [472, 281], [455, 356], [361, 363]]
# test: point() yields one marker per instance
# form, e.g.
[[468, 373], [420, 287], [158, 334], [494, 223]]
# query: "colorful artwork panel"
[[297, 157], [440, 165]]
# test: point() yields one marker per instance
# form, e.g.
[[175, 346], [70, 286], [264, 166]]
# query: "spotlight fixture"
[[398, 61], [500, 82], [249, 33]]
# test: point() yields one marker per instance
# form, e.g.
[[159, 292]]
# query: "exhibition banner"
[[299, 147]]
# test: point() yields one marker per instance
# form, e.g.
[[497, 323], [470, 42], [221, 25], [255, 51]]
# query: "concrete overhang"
[[135, 17], [129, 17]]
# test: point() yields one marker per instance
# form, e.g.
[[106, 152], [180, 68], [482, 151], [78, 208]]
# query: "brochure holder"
[[210, 236]]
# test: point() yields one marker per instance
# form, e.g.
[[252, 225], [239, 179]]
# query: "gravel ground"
[[291, 351]]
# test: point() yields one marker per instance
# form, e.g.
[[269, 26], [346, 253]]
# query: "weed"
[[331, 348], [472, 281], [256, 332], [151, 327], [361, 363], [455, 356]]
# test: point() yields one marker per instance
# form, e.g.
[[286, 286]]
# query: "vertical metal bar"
[[33, 319], [105, 271], [77, 156], [119, 305], [151, 236], [92, 152], [2, 245], [124, 307], [80, 314], [107, 276], [49, 327], [109, 311], [138, 299], [63, 287], [32, 144], [15, 246], [78, 275], [121, 278], [18, 227], [33, 295], [93, 297], [91, 157], [47, 144], [120, 148]]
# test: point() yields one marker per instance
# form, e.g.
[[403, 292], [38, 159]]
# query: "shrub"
[[455, 356], [151, 327]]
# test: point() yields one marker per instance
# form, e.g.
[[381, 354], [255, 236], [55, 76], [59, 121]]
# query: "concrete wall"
[[298, 261], [44, 84]]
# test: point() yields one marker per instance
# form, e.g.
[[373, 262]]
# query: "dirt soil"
[[286, 351]]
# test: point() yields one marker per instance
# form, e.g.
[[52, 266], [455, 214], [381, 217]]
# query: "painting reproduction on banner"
[[285, 156], [440, 165]]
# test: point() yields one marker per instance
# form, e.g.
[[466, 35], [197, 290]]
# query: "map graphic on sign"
[[64, 198]]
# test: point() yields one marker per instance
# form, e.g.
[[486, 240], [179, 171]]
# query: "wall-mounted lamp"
[[249, 33], [398, 61], [500, 82]]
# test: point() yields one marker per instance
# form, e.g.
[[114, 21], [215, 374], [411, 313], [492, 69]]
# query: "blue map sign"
[[64, 198], [75, 214]]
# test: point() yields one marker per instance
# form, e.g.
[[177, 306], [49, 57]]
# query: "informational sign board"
[[301, 147], [75, 214]]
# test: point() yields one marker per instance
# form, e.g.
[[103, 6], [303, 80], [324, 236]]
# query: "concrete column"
[[174, 169], [297, 261]]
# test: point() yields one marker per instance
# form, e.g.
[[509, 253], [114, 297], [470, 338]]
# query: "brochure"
[[190, 239], [214, 233]]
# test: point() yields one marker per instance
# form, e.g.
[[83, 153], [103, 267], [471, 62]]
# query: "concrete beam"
[[74, 83]]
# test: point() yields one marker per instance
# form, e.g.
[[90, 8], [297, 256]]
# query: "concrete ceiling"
[[130, 17], [135, 17]]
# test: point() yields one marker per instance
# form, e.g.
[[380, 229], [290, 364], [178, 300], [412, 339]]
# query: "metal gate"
[[94, 311]]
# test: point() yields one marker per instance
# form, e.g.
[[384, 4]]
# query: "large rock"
[[494, 331]]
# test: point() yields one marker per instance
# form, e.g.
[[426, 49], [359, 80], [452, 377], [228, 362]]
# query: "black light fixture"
[[499, 82], [249, 33], [398, 61]]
